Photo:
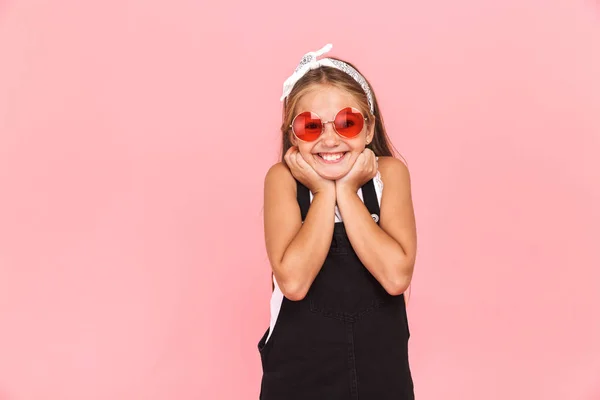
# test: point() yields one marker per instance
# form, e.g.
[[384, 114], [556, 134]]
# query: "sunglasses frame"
[[323, 123]]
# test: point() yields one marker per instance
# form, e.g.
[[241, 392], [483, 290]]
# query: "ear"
[[370, 132]]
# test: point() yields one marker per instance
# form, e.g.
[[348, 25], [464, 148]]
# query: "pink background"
[[134, 139]]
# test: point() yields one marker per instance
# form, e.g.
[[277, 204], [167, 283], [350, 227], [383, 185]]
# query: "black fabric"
[[368, 191], [370, 199], [347, 339], [303, 196]]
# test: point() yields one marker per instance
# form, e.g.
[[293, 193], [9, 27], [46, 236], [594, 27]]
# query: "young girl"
[[341, 239]]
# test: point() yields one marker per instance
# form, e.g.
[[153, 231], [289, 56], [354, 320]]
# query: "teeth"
[[332, 156]]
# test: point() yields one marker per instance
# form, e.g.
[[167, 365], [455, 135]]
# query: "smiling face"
[[331, 155]]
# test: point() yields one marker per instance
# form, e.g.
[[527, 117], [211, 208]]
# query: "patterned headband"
[[309, 62]]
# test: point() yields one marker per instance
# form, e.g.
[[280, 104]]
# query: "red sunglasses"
[[308, 126]]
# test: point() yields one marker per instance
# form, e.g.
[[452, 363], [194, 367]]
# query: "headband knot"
[[309, 62]]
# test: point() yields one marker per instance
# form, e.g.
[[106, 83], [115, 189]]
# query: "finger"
[[370, 162], [294, 157], [300, 160], [292, 150], [287, 158], [366, 160], [294, 169], [376, 166], [290, 153], [371, 159], [374, 160], [359, 164]]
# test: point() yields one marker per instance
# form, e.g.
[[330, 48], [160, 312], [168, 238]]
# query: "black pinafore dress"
[[347, 339]]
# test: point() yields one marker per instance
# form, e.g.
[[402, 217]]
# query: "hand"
[[304, 173], [363, 170]]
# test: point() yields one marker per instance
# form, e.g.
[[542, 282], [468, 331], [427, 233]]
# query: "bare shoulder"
[[279, 188], [394, 172], [397, 212], [278, 177]]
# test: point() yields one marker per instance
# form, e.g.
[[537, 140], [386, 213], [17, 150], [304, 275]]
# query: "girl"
[[341, 239]]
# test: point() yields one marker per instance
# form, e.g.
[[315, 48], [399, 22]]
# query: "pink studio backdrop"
[[134, 139]]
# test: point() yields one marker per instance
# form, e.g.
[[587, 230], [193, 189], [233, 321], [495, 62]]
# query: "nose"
[[330, 136]]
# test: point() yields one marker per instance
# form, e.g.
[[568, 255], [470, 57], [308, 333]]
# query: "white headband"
[[309, 62]]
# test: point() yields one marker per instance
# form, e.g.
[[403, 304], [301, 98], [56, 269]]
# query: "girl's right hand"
[[304, 173]]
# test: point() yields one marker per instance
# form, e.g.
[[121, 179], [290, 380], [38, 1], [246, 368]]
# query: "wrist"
[[325, 191], [345, 189]]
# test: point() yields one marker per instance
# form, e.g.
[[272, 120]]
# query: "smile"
[[331, 158]]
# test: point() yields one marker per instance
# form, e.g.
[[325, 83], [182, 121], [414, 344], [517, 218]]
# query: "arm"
[[388, 251], [296, 250]]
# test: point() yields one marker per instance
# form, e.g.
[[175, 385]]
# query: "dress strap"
[[370, 199], [303, 196]]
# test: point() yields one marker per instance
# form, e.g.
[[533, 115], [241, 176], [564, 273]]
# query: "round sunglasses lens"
[[307, 126], [349, 122]]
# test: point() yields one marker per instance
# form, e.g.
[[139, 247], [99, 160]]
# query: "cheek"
[[358, 145], [304, 148], [305, 151]]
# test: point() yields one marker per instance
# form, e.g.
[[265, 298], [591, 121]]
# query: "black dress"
[[347, 339]]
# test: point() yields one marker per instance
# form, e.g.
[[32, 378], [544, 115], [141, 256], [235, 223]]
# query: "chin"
[[332, 175]]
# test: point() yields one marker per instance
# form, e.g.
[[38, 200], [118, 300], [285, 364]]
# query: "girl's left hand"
[[363, 170]]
